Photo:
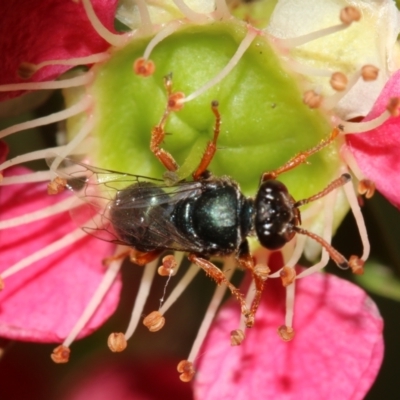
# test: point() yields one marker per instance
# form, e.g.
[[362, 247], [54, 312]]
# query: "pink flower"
[[336, 352], [32, 32], [377, 151], [126, 379], [66, 267], [71, 270], [36, 302]]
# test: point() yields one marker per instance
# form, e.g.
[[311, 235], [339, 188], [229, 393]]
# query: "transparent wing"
[[100, 190]]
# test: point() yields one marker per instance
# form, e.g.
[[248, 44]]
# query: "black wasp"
[[206, 217]]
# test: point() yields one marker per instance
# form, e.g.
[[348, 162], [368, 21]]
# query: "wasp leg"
[[219, 277], [301, 157], [158, 132], [142, 258], [137, 257], [211, 145], [246, 261]]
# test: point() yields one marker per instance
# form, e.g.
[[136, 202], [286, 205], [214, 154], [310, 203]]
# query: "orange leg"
[[136, 256], [158, 132], [174, 103], [143, 258], [246, 261], [300, 158], [219, 277], [211, 146]]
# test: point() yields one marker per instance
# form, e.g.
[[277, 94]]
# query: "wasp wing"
[[100, 190]]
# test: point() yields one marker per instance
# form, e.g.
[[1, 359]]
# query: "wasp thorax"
[[275, 215]]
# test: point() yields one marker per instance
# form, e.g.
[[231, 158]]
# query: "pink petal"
[[128, 378], [39, 30], [42, 302], [377, 151], [335, 354]]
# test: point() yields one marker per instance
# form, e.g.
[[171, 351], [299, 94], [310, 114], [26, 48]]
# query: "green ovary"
[[264, 121]]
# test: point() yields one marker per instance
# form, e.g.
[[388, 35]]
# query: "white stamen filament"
[[38, 176], [146, 26], [329, 206], [221, 10], [77, 108], [228, 269], [190, 14], [68, 239], [309, 37], [141, 297], [178, 258], [92, 59], [33, 155], [348, 157], [290, 295], [114, 40], [43, 154], [356, 210], [80, 80], [180, 287], [244, 45], [364, 126], [78, 138], [164, 33], [311, 212], [62, 206], [331, 102], [298, 251], [105, 284], [308, 70]]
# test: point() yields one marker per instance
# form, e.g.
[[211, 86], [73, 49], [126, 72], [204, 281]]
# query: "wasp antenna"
[[342, 180], [338, 258]]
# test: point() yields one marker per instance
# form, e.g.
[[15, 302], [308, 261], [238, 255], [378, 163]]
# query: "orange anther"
[[288, 275], [144, 67], [168, 266], [366, 187], [56, 186], [60, 354], [393, 106], [286, 333], [154, 321], [237, 337], [338, 81], [349, 14], [262, 271], [26, 70], [312, 99], [175, 102], [369, 72], [117, 342], [186, 370], [356, 265]]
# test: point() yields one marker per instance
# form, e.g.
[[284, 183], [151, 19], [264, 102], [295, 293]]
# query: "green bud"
[[264, 120]]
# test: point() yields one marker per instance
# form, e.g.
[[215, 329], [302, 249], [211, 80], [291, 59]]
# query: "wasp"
[[204, 217]]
